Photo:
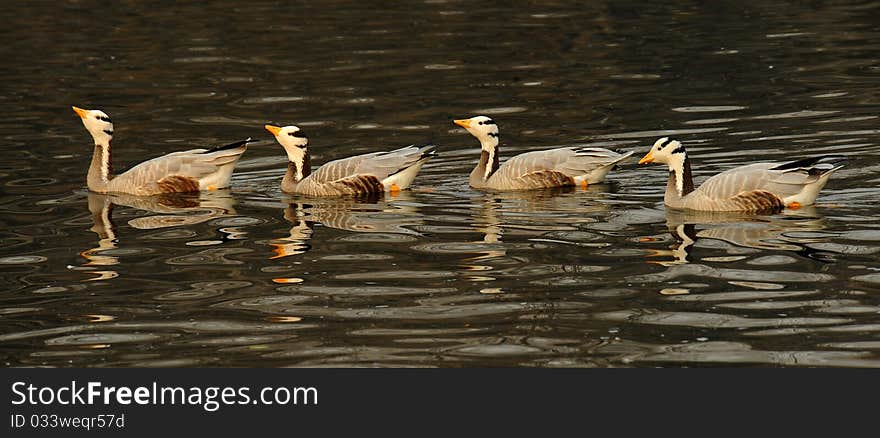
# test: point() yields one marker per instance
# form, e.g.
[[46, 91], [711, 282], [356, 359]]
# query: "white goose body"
[[185, 171], [758, 187], [375, 172], [567, 166]]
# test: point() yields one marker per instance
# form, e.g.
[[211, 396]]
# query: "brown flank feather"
[[759, 201], [548, 178], [362, 184], [178, 184]]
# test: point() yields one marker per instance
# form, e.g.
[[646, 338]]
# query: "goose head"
[[293, 140], [665, 151], [97, 123], [483, 128]]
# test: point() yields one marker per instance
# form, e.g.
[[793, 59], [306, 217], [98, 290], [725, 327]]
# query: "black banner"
[[141, 402]]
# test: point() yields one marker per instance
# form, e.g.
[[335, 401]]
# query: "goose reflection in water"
[[538, 215], [171, 211], [487, 223], [776, 232], [101, 209], [362, 214], [535, 212]]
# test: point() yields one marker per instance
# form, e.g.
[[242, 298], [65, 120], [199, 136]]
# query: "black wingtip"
[[834, 161], [428, 149], [231, 145]]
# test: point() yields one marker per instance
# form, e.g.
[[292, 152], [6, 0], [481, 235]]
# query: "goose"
[[185, 171], [375, 172], [567, 166], [756, 188]]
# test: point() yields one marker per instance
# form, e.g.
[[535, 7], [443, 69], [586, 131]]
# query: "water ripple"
[[709, 320], [708, 109], [209, 257], [740, 353]]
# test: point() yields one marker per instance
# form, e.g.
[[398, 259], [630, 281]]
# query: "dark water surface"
[[441, 275]]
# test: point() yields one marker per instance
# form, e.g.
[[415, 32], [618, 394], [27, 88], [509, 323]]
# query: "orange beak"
[[464, 123], [80, 112], [648, 158], [273, 129]]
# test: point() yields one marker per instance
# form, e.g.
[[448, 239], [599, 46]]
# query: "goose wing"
[[734, 181], [586, 160], [571, 162], [782, 180], [378, 165], [181, 170], [385, 164]]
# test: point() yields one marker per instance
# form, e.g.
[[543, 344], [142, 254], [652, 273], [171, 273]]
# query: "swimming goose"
[[568, 166], [759, 187], [184, 171], [368, 173]]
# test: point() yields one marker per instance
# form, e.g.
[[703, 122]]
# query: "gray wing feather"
[[571, 161], [759, 176], [337, 170], [385, 164], [586, 160], [378, 164], [194, 163]]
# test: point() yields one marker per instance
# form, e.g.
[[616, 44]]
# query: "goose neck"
[[681, 180], [299, 166], [489, 161], [100, 170]]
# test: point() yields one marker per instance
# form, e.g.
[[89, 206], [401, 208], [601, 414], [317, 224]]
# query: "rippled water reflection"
[[440, 275]]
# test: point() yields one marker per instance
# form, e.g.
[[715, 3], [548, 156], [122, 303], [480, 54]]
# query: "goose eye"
[[103, 119], [297, 134]]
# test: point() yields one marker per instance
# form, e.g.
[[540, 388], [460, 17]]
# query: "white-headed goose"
[[759, 187], [177, 172], [568, 166], [375, 172]]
